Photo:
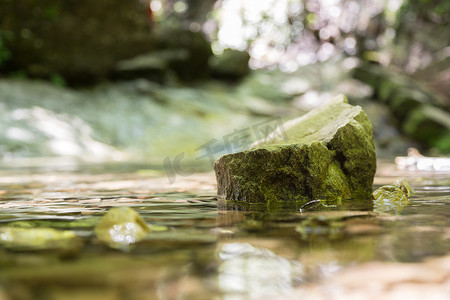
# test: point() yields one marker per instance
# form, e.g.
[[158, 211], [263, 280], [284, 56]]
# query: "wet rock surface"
[[121, 227], [325, 154], [392, 197], [32, 239]]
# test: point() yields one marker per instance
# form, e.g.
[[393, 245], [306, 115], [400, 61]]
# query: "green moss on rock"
[[121, 227], [329, 154], [37, 239], [392, 198]]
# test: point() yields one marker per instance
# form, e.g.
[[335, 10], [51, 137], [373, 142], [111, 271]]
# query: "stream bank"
[[141, 120]]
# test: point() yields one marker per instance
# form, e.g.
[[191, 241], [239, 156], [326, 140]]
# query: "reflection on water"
[[207, 252], [253, 273]]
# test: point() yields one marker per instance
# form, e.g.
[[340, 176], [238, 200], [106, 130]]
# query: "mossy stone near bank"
[[421, 112], [326, 154]]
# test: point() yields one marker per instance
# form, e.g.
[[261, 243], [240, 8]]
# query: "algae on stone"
[[328, 154], [320, 226], [36, 239], [392, 198], [121, 227], [404, 185]]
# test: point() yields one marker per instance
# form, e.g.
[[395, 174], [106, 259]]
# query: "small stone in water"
[[403, 184], [121, 227], [392, 198], [34, 239]]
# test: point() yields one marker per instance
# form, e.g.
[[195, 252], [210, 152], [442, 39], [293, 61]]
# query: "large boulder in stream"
[[327, 154]]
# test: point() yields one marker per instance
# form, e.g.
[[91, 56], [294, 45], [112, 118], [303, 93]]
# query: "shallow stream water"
[[208, 252]]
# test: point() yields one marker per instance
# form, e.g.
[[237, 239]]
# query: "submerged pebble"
[[122, 227], [320, 226], [392, 198], [404, 185], [31, 239]]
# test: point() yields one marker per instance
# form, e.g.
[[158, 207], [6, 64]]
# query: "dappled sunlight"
[[61, 133], [255, 273], [289, 34], [20, 134], [67, 135]]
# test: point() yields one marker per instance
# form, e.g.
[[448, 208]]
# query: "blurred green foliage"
[[437, 12], [5, 53], [439, 7]]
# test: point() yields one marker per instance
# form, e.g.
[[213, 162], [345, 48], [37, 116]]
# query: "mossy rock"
[[429, 125], [392, 198], [121, 227], [326, 154], [40, 239]]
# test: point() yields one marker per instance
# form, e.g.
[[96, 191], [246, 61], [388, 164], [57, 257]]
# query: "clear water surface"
[[209, 251]]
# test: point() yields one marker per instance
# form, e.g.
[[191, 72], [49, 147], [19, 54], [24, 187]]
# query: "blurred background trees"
[[398, 48], [282, 33], [82, 40]]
